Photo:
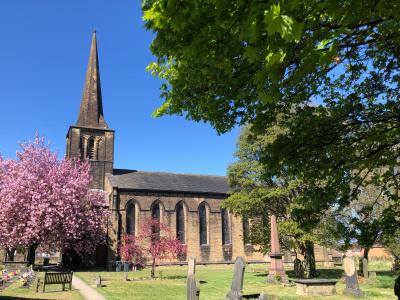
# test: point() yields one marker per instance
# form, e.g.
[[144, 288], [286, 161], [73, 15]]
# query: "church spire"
[[91, 111]]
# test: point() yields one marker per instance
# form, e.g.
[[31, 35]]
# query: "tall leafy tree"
[[325, 71], [46, 202], [257, 195]]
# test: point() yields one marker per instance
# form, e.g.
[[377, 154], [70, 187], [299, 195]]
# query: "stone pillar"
[[276, 272], [85, 143]]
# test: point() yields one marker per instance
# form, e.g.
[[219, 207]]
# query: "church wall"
[[213, 252]]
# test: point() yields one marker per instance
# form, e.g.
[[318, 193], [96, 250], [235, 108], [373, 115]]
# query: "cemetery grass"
[[53, 292], [216, 281]]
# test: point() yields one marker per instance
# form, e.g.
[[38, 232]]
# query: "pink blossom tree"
[[154, 240], [46, 202]]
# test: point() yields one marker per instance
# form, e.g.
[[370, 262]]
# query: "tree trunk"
[[153, 269], [310, 270], [31, 255]]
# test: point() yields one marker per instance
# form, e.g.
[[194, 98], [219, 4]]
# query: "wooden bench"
[[55, 278]]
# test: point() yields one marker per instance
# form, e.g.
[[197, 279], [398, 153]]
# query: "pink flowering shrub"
[[154, 241], [46, 202], [132, 252]]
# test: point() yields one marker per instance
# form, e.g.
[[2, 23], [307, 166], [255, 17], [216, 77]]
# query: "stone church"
[[189, 204]]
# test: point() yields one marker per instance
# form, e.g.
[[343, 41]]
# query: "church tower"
[[90, 138]]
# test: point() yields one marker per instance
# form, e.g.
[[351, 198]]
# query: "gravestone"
[[98, 281], [237, 280], [298, 269], [191, 289], [351, 279], [192, 266], [262, 297], [276, 271], [397, 287], [372, 275], [363, 267]]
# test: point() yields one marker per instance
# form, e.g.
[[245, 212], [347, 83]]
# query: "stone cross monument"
[[276, 272]]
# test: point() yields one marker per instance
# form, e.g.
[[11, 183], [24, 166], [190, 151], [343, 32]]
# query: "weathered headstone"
[[237, 280], [298, 268], [98, 281], [363, 267], [262, 297], [192, 292], [397, 287], [192, 266], [372, 275], [351, 279]]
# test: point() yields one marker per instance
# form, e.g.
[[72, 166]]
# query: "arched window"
[[180, 223], [155, 214], [130, 218], [90, 148], [246, 231], [155, 211], [203, 224], [226, 231]]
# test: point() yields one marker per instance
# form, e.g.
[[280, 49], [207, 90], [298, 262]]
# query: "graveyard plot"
[[215, 282]]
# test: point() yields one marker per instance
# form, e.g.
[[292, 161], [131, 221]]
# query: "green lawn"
[[15, 292], [216, 280]]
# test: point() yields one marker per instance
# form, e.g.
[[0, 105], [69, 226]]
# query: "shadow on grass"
[[386, 273], [386, 279], [172, 277], [323, 274], [330, 273]]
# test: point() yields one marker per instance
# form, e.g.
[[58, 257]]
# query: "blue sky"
[[44, 48]]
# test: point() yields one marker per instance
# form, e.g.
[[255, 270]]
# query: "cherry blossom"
[[155, 241], [46, 202]]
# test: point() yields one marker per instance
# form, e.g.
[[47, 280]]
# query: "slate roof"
[[159, 181]]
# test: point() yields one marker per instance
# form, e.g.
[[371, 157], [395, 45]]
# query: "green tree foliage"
[[230, 62], [326, 73], [328, 69], [256, 196], [392, 243], [364, 220]]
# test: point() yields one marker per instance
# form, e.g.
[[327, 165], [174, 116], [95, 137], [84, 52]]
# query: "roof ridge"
[[173, 173]]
